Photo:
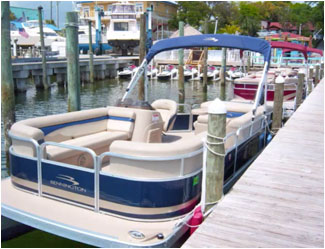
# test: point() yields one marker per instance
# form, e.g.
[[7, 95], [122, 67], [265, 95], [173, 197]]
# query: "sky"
[[64, 6]]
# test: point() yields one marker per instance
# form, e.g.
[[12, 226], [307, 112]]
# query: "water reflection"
[[35, 103]]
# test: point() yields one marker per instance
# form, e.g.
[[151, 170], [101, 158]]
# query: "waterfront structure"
[[162, 12], [24, 14]]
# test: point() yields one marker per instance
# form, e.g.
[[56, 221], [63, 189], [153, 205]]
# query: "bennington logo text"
[[211, 39], [73, 186]]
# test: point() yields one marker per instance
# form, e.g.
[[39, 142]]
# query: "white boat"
[[127, 72], [212, 74], [169, 72], [152, 72], [28, 34], [128, 175], [123, 32]]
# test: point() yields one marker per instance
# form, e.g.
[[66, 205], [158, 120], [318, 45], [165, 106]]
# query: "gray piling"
[[310, 79], [317, 78], [91, 55], [205, 61], [44, 75], [215, 152], [73, 61], [223, 74], [300, 89], [181, 92], [278, 103], [142, 54], [7, 83]]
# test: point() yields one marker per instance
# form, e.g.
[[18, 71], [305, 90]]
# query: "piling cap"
[[311, 67], [279, 80], [302, 71], [217, 107]]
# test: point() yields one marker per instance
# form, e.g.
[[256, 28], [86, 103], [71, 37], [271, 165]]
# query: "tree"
[[230, 29], [12, 16], [249, 18], [190, 12]]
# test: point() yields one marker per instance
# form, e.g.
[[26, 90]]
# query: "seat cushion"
[[94, 141]]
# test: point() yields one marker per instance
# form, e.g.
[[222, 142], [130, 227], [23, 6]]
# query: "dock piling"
[[91, 55], [317, 78], [7, 82], [215, 152], [142, 54], [73, 69], [181, 92], [310, 79], [43, 51], [300, 88], [321, 71], [278, 103], [223, 74], [205, 61]]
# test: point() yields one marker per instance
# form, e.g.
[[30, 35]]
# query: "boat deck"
[[79, 223], [279, 201]]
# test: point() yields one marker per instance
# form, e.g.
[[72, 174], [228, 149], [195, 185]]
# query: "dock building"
[[162, 12]]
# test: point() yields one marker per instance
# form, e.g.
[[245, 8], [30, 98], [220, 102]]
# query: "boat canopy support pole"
[[262, 83], [135, 79]]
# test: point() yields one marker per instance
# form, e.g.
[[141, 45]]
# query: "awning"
[[288, 46], [210, 40]]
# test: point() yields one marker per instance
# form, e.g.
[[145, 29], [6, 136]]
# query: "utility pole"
[[7, 82], [44, 70], [73, 69], [57, 14], [51, 11]]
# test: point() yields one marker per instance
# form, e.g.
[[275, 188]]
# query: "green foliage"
[[248, 15], [249, 18], [190, 12], [12, 16], [50, 22], [230, 29]]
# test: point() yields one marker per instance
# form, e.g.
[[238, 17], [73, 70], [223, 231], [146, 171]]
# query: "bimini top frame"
[[208, 40]]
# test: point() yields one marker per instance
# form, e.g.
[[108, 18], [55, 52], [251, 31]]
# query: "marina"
[[279, 201], [194, 142]]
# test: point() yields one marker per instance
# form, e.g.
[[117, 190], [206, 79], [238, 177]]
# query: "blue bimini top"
[[210, 40]]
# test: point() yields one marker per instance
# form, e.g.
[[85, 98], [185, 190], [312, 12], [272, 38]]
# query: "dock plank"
[[279, 201]]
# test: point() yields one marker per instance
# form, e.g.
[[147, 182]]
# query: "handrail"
[[87, 150], [36, 145]]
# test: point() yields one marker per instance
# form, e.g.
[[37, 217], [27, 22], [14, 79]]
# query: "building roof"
[[277, 25], [188, 30]]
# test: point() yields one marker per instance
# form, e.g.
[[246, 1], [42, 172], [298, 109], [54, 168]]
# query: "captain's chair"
[[168, 111]]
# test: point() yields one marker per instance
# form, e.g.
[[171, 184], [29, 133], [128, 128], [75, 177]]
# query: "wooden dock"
[[279, 201]]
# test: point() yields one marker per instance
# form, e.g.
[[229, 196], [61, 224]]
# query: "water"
[[35, 103]]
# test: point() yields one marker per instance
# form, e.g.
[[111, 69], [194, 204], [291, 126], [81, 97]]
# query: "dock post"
[[278, 103], [317, 75], [205, 62], [142, 54], [43, 51], [223, 74], [321, 71], [300, 88], [310, 79], [181, 92], [7, 82], [215, 152], [91, 55], [248, 61], [73, 69]]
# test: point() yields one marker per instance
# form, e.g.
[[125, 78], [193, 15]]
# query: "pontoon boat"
[[128, 175]]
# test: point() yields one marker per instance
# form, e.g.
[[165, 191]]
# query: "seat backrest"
[[168, 111], [121, 119]]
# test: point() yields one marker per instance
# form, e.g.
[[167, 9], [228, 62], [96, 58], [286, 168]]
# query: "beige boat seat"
[[168, 111]]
